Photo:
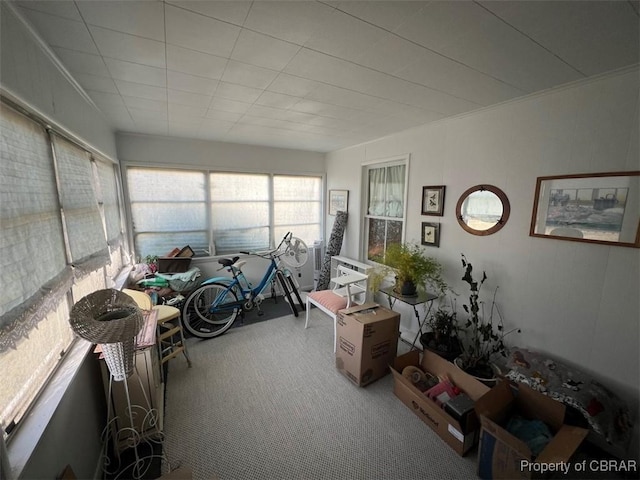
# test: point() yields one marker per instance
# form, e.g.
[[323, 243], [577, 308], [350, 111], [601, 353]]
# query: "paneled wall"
[[574, 300]]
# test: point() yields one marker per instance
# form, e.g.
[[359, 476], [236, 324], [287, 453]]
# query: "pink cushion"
[[329, 300]]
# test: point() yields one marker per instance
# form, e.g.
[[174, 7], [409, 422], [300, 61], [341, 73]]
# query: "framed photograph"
[[433, 200], [338, 201], [596, 208], [431, 234]]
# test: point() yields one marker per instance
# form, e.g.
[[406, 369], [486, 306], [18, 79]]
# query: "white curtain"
[[109, 191], [395, 191], [377, 191], [32, 251], [86, 235], [386, 191]]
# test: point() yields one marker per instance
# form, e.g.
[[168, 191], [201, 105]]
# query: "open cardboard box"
[[501, 454], [459, 436]]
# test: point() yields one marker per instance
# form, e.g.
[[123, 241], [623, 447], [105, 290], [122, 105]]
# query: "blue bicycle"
[[213, 307]]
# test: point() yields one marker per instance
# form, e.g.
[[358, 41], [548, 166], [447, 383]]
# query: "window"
[[384, 218], [218, 213], [57, 204]]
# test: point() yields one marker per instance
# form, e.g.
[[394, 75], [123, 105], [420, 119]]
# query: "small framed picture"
[[431, 234], [338, 201], [433, 200]]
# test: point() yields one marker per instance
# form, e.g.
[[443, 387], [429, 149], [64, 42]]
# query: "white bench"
[[349, 287]]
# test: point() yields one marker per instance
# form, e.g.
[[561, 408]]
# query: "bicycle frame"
[[238, 275]]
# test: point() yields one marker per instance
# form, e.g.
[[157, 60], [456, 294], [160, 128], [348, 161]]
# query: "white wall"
[[172, 152], [29, 75], [574, 300]]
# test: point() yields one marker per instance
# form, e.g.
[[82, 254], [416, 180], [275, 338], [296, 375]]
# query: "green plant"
[[152, 262], [409, 263], [485, 333], [443, 323]]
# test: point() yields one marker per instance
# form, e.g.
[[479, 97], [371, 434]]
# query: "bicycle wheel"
[[210, 310]]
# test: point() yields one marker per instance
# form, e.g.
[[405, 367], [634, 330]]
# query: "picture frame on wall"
[[338, 201], [595, 208], [433, 200], [431, 234]]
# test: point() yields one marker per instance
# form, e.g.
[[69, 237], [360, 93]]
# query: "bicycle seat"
[[227, 262]]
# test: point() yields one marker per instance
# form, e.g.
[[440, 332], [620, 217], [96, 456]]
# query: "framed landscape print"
[[433, 200], [431, 234], [338, 201], [596, 208]]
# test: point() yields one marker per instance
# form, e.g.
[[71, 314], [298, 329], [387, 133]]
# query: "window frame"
[[25, 429], [211, 251], [366, 167]]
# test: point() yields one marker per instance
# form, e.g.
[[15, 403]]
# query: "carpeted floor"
[[266, 402]]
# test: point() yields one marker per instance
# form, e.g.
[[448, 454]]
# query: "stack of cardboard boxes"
[[459, 408]]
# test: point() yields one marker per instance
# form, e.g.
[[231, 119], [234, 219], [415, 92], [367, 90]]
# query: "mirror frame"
[[506, 209]]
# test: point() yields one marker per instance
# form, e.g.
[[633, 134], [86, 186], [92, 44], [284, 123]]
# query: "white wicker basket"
[[112, 319]]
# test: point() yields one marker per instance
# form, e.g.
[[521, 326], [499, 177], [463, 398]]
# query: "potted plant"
[[442, 339], [414, 270], [484, 333]]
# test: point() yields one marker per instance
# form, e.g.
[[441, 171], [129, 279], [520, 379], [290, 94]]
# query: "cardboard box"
[[459, 435], [367, 342], [502, 455]]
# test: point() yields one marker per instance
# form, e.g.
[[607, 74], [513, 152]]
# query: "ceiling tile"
[[227, 105], [324, 109], [141, 115], [197, 32], [238, 92], [106, 101], [387, 15], [608, 34], [217, 125], [442, 74], [389, 54], [191, 83], [130, 48], [294, 22], [133, 72], [341, 96], [224, 116], [292, 85], [61, 32], [96, 83], [145, 104], [248, 75], [228, 11], [60, 8], [187, 111], [263, 51], [195, 63], [345, 36], [144, 19], [143, 91], [276, 100], [80, 62], [188, 98], [485, 43]]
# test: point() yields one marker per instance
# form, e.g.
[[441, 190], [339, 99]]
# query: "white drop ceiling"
[[322, 75]]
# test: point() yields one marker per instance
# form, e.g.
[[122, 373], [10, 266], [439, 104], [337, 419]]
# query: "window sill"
[[24, 441]]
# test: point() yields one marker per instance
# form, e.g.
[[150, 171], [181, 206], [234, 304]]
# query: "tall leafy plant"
[[484, 333]]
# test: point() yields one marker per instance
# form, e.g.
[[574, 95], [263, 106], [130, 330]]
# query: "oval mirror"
[[483, 210]]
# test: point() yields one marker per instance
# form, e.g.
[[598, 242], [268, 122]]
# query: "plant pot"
[[406, 288], [449, 349], [486, 375]]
